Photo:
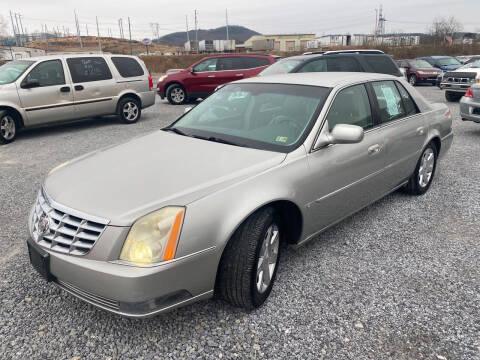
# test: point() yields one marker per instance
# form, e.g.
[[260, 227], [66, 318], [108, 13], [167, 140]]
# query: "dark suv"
[[203, 77], [373, 61]]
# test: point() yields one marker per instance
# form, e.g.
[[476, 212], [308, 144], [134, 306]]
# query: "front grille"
[[460, 77], [88, 296], [57, 230]]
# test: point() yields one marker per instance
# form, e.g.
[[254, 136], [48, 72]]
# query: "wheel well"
[[131, 95], [173, 83], [438, 144], [15, 113]]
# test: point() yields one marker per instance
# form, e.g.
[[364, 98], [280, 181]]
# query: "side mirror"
[[30, 83], [341, 134]]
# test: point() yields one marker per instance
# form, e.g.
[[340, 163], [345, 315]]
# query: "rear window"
[[127, 67], [88, 69], [230, 63], [382, 64], [253, 62]]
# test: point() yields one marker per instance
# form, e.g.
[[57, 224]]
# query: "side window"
[[382, 64], [127, 67], [88, 69], [319, 65], [207, 65], [48, 73], [351, 106], [343, 64], [253, 62], [230, 63], [389, 101], [408, 103]]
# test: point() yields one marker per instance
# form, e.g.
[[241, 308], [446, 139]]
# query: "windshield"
[[273, 117], [420, 64], [474, 64], [448, 61], [12, 70], [281, 67]]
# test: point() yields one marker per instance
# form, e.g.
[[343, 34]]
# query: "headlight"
[[153, 238], [422, 72], [161, 78]]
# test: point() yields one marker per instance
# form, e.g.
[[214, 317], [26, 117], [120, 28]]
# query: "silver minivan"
[[56, 88]]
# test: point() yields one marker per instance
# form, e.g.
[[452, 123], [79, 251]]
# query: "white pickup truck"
[[456, 82]]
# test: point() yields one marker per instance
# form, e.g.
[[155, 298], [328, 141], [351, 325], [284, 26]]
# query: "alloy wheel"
[[427, 165], [177, 95], [268, 258], [7, 127], [130, 111]]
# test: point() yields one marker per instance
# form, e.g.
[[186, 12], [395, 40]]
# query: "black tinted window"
[[382, 64], [207, 65], [230, 63], [253, 62], [351, 106], [389, 101], [88, 69], [127, 67], [48, 73], [319, 65], [408, 103], [343, 64]]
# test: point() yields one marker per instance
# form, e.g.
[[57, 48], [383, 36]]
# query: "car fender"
[[9, 104]]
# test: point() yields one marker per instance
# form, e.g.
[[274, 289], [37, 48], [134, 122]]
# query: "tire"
[[237, 273], [417, 184], [452, 96], [412, 79], [176, 94], [8, 127], [129, 110]]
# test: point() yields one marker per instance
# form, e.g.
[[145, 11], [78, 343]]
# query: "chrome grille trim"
[[88, 296], [67, 231]]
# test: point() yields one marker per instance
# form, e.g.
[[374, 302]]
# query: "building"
[[334, 40], [19, 52], [211, 46], [279, 42]]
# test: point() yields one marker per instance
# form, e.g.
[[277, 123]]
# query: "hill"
[[239, 33]]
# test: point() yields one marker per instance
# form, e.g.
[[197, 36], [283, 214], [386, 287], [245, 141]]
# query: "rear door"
[[95, 88], [253, 65], [52, 100], [230, 69]]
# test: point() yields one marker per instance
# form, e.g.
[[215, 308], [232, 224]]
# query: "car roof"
[[325, 79], [66, 55]]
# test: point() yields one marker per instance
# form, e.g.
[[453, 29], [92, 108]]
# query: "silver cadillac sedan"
[[201, 207]]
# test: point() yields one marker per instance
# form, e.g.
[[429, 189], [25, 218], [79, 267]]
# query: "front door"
[[346, 177], [203, 79], [93, 86], [52, 99]]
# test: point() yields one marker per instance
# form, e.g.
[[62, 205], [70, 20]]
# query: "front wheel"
[[412, 79], [422, 177], [8, 127], [249, 264], [129, 110], [176, 94]]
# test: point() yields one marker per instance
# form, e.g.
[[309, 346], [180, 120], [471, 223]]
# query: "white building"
[[19, 52]]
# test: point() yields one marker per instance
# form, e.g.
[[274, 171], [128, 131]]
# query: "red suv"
[[201, 79], [419, 71]]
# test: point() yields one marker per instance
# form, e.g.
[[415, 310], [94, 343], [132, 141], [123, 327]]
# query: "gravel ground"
[[398, 280]]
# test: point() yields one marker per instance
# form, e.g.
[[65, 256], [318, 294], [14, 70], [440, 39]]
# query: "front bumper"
[[455, 87], [470, 109], [427, 78], [135, 291]]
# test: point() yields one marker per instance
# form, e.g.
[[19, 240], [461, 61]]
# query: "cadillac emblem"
[[43, 225]]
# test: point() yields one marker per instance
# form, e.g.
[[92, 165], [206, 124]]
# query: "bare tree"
[[442, 27], [3, 27]]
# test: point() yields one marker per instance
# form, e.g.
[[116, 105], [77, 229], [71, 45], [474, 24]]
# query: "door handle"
[[79, 87], [211, 75], [238, 74], [420, 130], [374, 149], [65, 89]]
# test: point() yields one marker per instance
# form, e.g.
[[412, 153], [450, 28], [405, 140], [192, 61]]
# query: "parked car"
[[56, 88], [419, 71], [444, 63], [202, 78], [374, 61], [201, 206], [470, 104], [457, 82]]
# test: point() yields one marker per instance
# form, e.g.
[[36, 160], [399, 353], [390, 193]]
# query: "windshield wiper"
[[176, 131], [219, 140]]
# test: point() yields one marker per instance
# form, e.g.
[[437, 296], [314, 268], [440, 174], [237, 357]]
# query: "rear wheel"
[[249, 263], [176, 94], [8, 127], [452, 96], [129, 110], [412, 79], [422, 177]]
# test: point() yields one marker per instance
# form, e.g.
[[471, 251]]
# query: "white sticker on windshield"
[[392, 104], [238, 94]]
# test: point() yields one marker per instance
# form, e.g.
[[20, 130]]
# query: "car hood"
[[450, 67], [125, 182], [468, 70]]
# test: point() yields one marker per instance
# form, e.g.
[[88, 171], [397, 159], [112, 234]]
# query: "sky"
[[265, 16]]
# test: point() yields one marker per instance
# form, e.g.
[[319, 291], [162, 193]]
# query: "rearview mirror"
[[341, 134], [30, 83]]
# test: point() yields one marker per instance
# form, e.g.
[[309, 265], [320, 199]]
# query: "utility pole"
[[14, 30], [24, 31], [18, 30], [120, 27], [98, 36], [196, 31], [130, 35], [78, 29], [186, 23], [226, 20], [46, 36], [86, 28]]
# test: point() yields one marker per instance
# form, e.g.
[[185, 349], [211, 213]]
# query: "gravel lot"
[[399, 280]]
